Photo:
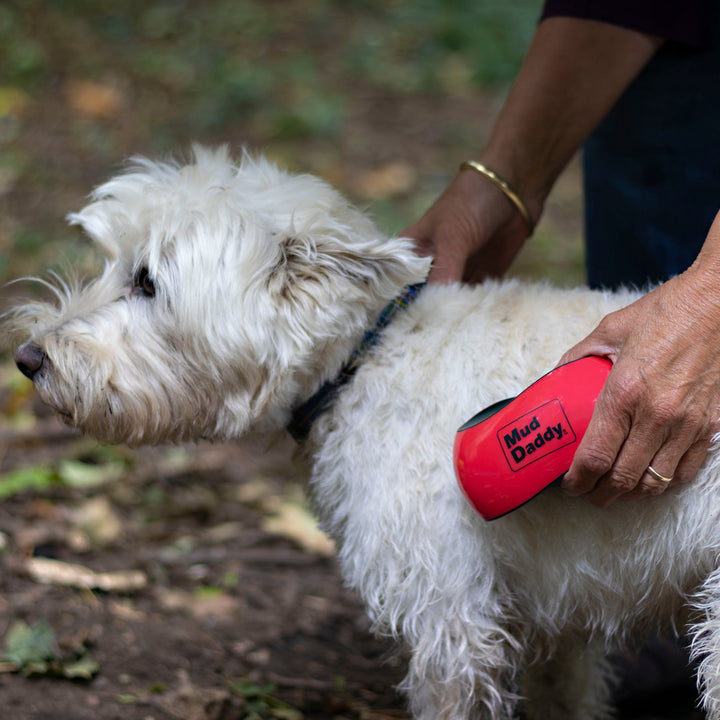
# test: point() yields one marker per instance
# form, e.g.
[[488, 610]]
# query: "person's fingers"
[[626, 473], [447, 267], [674, 429], [638, 425], [593, 344], [445, 245], [638, 480], [686, 470], [606, 434], [692, 461]]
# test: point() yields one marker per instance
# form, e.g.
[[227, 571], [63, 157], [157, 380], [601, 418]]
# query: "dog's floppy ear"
[[340, 256], [96, 220], [116, 207], [315, 240]]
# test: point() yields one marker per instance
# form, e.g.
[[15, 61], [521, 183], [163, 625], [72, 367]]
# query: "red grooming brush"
[[512, 450]]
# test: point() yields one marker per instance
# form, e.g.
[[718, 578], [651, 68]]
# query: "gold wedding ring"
[[654, 473]]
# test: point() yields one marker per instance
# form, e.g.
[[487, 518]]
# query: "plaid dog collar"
[[304, 415]]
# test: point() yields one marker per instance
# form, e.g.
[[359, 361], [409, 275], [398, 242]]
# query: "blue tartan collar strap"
[[304, 415]]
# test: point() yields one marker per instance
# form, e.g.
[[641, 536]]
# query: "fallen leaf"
[[25, 644], [392, 179], [75, 473], [194, 703], [257, 492], [82, 669], [201, 606], [126, 611], [98, 521], [34, 477], [97, 100], [295, 522], [56, 572], [260, 700], [220, 606]]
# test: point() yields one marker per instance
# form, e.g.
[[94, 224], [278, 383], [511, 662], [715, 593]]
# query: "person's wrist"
[[488, 207], [504, 187], [531, 186]]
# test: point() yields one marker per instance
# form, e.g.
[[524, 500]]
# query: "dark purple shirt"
[[685, 21]]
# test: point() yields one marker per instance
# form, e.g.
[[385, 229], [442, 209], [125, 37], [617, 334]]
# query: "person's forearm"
[[574, 72]]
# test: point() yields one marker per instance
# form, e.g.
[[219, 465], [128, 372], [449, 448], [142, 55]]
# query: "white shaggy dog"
[[230, 294]]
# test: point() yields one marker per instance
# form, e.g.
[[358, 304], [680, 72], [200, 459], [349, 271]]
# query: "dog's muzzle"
[[29, 359]]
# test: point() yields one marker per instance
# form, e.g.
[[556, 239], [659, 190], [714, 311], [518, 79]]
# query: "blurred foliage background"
[[381, 97]]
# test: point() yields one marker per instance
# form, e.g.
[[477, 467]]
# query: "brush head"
[[514, 449]]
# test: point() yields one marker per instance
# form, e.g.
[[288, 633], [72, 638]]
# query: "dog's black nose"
[[29, 358]]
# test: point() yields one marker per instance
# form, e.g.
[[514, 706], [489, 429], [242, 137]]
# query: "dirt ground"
[[234, 612]]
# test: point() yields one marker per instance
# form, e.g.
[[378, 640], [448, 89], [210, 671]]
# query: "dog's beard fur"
[[112, 374], [263, 282]]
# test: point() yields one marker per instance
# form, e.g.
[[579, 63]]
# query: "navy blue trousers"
[[652, 171]]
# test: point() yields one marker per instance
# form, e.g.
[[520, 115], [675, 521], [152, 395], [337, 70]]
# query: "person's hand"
[[472, 231], [574, 72], [661, 403]]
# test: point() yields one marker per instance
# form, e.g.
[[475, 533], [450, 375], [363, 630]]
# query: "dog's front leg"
[[461, 669]]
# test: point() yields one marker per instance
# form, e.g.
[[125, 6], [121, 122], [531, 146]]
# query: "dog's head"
[[228, 292]]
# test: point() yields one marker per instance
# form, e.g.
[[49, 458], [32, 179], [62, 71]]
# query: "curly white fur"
[[264, 285]]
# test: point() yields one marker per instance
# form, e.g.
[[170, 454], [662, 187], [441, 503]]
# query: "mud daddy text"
[[520, 447]]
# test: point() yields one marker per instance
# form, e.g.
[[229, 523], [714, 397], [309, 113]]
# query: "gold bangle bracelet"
[[509, 193]]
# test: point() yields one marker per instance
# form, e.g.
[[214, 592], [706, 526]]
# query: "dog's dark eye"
[[143, 284]]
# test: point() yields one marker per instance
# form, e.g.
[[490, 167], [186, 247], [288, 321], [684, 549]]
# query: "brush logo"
[[535, 434]]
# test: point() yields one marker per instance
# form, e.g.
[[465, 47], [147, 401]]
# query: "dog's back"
[[426, 564]]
